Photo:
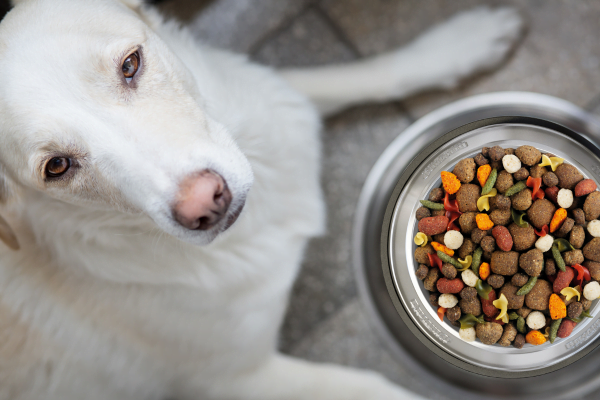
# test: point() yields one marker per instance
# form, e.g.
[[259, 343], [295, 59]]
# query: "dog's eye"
[[57, 166], [130, 65]]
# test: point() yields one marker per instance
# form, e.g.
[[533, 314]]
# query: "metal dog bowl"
[[383, 247]]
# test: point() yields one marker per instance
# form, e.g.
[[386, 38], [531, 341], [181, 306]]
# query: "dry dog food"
[[509, 247]]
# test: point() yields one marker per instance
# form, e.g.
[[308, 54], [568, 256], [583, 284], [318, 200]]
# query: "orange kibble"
[[483, 173], [559, 217], [558, 309], [440, 247], [450, 182], [484, 222], [484, 271], [535, 338]]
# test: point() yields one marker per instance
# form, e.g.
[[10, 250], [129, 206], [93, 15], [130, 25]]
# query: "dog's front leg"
[[286, 378], [470, 42]]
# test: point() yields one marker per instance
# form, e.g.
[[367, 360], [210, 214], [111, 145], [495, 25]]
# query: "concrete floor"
[[560, 55]]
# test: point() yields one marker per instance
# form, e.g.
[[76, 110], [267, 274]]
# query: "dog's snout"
[[202, 201]]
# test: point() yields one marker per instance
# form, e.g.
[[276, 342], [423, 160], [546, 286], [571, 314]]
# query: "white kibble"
[[469, 278], [468, 335], [544, 243], [536, 320], [591, 291], [511, 163], [593, 228], [564, 198], [447, 300], [453, 239]]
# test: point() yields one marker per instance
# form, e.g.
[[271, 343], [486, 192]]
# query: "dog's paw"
[[469, 42]]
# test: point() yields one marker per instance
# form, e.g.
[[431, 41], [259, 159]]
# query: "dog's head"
[[97, 111]]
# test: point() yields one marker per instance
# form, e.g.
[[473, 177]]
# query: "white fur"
[[108, 298]]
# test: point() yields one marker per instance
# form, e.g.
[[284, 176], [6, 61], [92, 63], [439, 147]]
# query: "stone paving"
[[559, 55]]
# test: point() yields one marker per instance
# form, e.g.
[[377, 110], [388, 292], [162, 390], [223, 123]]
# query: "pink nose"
[[202, 201]]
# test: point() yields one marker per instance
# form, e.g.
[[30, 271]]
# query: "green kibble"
[[526, 288], [490, 182], [563, 245], [560, 263], [483, 289], [516, 188], [512, 316], [431, 205], [521, 325], [518, 218], [447, 259], [554, 329], [469, 321], [476, 260]]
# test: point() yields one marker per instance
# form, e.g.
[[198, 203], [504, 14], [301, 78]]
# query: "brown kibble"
[[579, 216], [550, 179], [539, 296], [550, 268], [532, 262], [523, 312], [489, 332], [431, 279], [510, 333], [510, 292], [568, 176], [591, 206], [540, 213], [467, 197], [565, 228], [495, 281], [433, 299], [523, 238], [449, 271], [574, 310], [519, 341], [436, 195], [467, 222], [500, 201], [509, 151], [421, 254], [573, 257], [480, 160], [439, 238], [528, 155], [519, 279], [488, 244], [465, 170], [485, 151], [585, 303], [504, 181], [591, 251], [453, 314], [470, 306], [594, 268], [522, 200], [438, 213], [521, 174], [422, 271], [501, 217], [537, 172], [468, 293], [467, 248], [577, 236], [423, 212], [477, 235], [497, 165], [505, 262], [496, 153]]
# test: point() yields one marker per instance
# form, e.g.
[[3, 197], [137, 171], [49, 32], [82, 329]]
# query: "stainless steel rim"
[[369, 218]]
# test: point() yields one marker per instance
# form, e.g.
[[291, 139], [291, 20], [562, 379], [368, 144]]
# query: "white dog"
[[127, 152]]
